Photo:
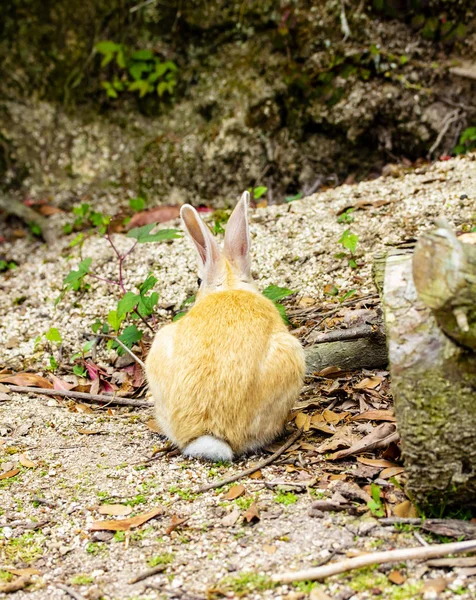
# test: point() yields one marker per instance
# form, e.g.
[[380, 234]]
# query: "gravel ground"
[[86, 457]]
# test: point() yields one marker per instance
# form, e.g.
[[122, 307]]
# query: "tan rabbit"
[[225, 376]]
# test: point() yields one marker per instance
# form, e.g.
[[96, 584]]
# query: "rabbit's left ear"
[[237, 237]]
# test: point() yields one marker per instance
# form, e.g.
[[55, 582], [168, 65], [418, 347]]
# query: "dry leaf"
[[436, 585], [375, 415], [332, 417], [47, 210], [235, 492], [381, 436], [26, 462], [269, 549], [396, 577], [230, 519], [26, 571], [4, 397], [174, 523], [303, 421], [9, 474], [369, 383], [153, 426], [115, 510], [344, 437], [60, 384], [252, 514], [126, 524], [27, 379], [256, 475], [84, 408], [405, 510], [376, 462], [88, 431], [159, 214], [4, 389], [328, 371], [391, 472], [16, 585]]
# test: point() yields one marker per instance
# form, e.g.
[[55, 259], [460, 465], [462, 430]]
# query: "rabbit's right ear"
[[203, 239]]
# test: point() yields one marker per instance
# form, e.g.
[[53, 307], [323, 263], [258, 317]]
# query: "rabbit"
[[225, 375]]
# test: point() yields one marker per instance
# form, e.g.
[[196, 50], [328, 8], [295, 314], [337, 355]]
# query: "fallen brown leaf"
[[115, 510], [159, 214], [436, 585], [369, 383], [174, 523], [60, 384], [303, 421], [256, 475], [230, 519], [47, 210], [4, 389], [332, 417], [391, 472], [16, 585], [405, 510], [26, 462], [375, 415], [126, 524], [9, 474], [396, 577], [380, 437], [235, 492], [252, 514], [27, 379], [25, 571], [376, 462], [88, 431]]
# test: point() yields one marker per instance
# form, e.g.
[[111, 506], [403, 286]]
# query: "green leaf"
[[129, 337], [347, 295], [127, 304], [147, 285], [161, 88], [73, 278], [179, 316], [80, 371], [140, 85], [53, 335], [147, 304], [298, 196], [88, 345], [53, 364], [136, 70], [77, 240], [259, 191], [346, 216], [282, 312], [137, 204], [110, 91], [107, 47], [349, 240], [96, 326], [113, 320], [143, 235], [275, 293], [142, 55], [120, 58]]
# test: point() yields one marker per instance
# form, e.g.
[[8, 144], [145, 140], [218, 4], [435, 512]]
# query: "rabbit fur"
[[224, 376]]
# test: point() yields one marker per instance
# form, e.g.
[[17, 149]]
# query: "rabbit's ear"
[[202, 237], [237, 237]]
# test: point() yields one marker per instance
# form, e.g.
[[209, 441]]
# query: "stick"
[[124, 347], [147, 574], [453, 116], [257, 467], [375, 558], [70, 592], [82, 396]]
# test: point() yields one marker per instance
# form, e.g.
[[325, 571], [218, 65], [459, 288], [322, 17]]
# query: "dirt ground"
[[74, 457]]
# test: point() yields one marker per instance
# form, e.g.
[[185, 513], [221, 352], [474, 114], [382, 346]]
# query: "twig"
[[82, 396], [344, 25], [453, 116], [420, 539], [375, 558], [70, 591], [400, 521], [123, 346], [148, 573], [340, 335], [267, 461]]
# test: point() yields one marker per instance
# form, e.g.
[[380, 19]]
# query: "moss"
[[161, 559], [27, 548], [246, 583], [81, 579]]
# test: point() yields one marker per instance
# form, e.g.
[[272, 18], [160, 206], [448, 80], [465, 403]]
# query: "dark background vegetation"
[[254, 93]]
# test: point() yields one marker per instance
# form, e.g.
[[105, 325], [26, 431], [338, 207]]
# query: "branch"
[[375, 558], [81, 396], [70, 592], [257, 467]]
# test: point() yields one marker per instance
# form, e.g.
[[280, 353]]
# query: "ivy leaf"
[[143, 235], [73, 278], [53, 335], [147, 303], [126, 304], [128, 337], [349, 240], [275, 293], [147, 285]]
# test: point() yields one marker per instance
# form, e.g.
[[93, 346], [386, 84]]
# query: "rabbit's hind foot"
[[210, 448]]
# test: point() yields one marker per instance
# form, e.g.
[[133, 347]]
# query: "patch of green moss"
[[27, 548], [161, 559], [246, 582]]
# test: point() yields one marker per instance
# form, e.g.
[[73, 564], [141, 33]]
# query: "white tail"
[[209, 447]]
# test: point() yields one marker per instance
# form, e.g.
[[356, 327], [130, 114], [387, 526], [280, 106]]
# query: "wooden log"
[[433, 377]]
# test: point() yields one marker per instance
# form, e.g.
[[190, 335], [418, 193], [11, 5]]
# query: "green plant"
[[26, 548], [275, 293], [81, 579], [375, 505], [6, 266], [246, 583], [467, 141], [244, 502], [346, 216], [139, 71], [161, 559], [285, 498], [349, 241]]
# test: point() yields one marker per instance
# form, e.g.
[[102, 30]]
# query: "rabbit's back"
[[229, 357]]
